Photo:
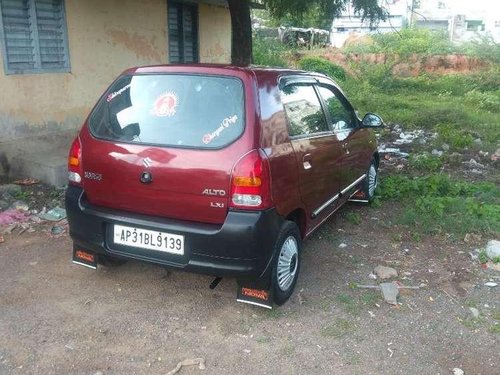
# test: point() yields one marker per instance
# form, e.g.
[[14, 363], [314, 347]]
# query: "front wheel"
[[286, 266], [371, 181]]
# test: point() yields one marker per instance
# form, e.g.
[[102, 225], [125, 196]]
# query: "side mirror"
[[371, 120]]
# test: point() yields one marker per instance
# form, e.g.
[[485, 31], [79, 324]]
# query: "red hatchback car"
[[218, 170]]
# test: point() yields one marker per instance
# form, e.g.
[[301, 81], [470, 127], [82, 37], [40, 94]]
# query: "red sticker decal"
[[165, 105]]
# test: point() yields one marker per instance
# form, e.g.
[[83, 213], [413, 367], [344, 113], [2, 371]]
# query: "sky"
[[491, 6]]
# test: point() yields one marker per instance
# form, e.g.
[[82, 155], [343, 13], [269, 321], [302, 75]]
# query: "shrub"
[[270, 52], [324, 66]]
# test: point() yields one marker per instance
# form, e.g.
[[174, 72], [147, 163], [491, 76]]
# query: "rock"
[[478, 142], [496, 155], [474, 164], [385, 272], [458, 371], [493, 249], [474, 311], [390, 293], [491, 284], [445, 147], [342, 245], [437, 152]]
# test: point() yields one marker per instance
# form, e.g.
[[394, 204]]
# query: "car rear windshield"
[[171, 110]]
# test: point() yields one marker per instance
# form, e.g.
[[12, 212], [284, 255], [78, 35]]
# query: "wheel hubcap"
[[288, 262], [372, 180]]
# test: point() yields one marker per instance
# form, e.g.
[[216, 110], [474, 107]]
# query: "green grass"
[[353, 217], [270, 52], [338, 328], [458, 107], [438, 204]]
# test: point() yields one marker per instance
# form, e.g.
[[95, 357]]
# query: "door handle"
[[306, 162]]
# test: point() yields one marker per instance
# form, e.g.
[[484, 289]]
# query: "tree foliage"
[[241, 53], [320, 13]]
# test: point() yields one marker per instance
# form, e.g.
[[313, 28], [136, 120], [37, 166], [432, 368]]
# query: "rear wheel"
[[371, 181], [286, 266]]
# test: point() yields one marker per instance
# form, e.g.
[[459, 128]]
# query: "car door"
[[345, 125], [317, 150]]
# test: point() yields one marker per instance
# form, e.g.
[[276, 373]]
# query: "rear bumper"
[[241, 247]]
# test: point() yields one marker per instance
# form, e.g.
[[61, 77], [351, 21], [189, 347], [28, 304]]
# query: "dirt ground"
[[60, 318]]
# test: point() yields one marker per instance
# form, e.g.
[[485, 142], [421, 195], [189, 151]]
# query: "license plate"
[[148, 239]]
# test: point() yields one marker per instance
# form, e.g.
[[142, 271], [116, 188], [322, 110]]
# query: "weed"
[[338, 328], [416, 237], [496, 314], [438, 204], [263, 339], [483, 257], [270, 52], [425, 163], [288, 350], [370, 298], [349, 304], [495, 328], [22, 195], [473, 323], [353, 217]]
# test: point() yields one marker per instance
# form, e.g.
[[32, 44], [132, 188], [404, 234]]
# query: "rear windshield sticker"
[[165, 105], [117, 93], [209, 137]]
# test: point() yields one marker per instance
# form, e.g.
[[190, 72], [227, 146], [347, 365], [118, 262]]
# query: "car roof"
[[218, 68]]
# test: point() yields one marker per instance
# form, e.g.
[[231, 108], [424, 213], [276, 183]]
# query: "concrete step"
[[49, 167], [43, 157]]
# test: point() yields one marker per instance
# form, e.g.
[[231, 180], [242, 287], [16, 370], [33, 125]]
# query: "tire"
[[371, 181], [286, 265]]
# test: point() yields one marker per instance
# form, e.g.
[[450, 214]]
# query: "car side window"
[[303, 109], [341, 117]]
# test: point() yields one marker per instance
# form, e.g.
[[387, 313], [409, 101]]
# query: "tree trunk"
[[241, 25]]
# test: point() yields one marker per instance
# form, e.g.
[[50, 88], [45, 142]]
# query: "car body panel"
[[184, 196]]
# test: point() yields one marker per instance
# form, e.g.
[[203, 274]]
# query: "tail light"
[[75, 162], [251, 182]]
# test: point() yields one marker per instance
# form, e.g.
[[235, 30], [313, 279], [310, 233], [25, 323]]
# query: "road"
[[60, 318]]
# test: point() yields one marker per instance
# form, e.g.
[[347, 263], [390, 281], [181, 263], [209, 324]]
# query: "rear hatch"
[[164, 145]]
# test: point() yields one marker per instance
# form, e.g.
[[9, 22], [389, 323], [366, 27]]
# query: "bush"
[[270, 52], [323, 66]]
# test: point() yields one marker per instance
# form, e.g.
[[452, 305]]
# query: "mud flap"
[[257, 297], [84, 258], [358, 196]]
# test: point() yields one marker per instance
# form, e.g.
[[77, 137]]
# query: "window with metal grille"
[[34, 37], [182, 33]]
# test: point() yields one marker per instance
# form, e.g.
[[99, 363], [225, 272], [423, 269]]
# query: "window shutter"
[[189, 30], [19, 43], [34, 36], [182, 32], [174, 44], [51, 34]]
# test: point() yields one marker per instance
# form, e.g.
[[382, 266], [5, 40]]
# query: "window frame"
[[39, 69], [181, 8], [312, 84], [343, 100]]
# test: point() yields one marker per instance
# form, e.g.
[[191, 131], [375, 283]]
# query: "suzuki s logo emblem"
[[146, 177], [147, 162]]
